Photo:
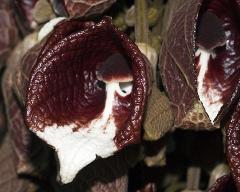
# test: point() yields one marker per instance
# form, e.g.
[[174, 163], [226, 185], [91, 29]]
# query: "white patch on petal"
[[77, 149], [48, 27], [210, 98]]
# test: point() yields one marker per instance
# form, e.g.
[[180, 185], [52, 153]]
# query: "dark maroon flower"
[[177, 66], [233, 144], [200, 62], [85, 92], [200, 59]]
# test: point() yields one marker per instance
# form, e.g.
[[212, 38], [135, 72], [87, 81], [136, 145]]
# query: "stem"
[[141, 24], [193, 178]]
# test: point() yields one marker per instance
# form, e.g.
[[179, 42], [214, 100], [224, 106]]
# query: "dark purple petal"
[[233, 144], [115, 68], [192, 26], [223, 70], [210, 32], [177, 60], [223, 184]]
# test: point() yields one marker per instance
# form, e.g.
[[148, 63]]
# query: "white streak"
[[211, 98], [77, 149], [124, 89]]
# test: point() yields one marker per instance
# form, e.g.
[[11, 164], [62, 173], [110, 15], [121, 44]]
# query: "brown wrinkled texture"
[[8, 29], [158, 119], [177, 65], [9, 180], [87, 7]]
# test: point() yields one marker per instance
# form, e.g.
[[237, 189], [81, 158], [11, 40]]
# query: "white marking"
[[125, 88], [77, 149], [48, 27], [211, 98]]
